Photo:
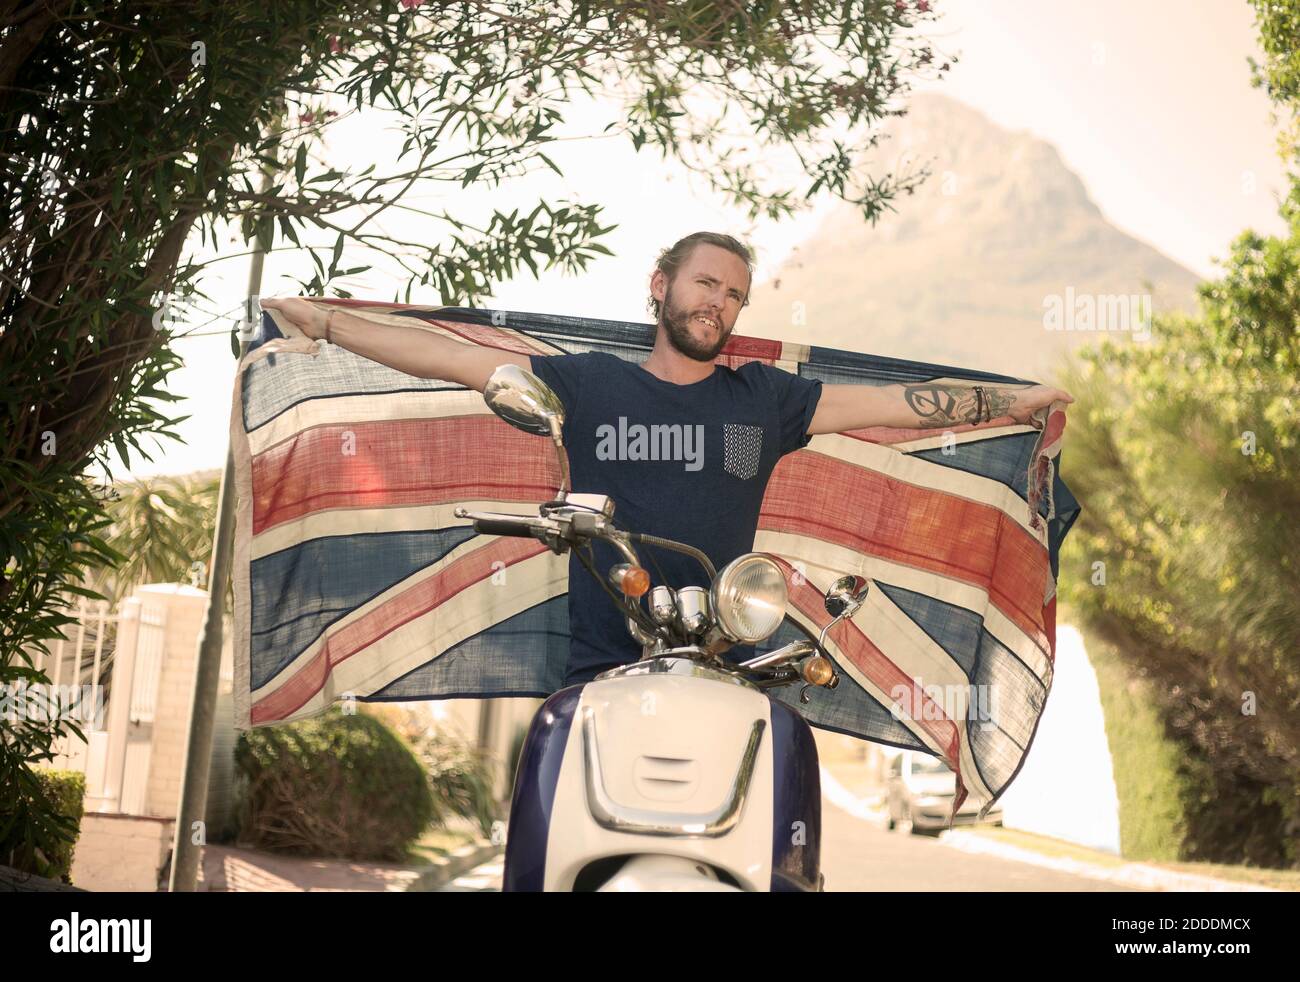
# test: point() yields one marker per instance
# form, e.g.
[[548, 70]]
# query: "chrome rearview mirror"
[[846, 595], [529, 404], [843, 598], [524, 401]]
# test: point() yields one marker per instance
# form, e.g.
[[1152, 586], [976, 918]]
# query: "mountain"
[[1000, 235]]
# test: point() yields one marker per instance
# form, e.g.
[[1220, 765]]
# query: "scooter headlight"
[[748, 598]]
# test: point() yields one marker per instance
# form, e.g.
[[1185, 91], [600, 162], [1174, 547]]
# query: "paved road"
[[858, 855]]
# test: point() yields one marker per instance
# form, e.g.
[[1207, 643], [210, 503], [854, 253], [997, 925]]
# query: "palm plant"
[[162, 527]]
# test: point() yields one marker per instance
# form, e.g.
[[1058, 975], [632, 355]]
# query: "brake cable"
[[633, 610], [682, 547], [658, 569]]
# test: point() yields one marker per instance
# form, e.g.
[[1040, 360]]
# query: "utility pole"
[[186, 850]]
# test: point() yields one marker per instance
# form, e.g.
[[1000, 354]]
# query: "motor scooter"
[[677, 772]]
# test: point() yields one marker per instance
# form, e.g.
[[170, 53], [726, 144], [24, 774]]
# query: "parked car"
[[920, 793]]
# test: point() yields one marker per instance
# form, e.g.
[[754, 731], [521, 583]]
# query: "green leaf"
[[550, 163], [286, 226], [338, 253], [266, 232], [119, 443], [470, 174]]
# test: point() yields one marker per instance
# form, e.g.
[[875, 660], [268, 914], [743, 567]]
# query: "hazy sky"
[[1148, 101]]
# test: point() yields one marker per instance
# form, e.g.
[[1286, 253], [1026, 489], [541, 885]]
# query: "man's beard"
[[677, 324]]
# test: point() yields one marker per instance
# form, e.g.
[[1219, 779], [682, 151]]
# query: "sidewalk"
[[844, 787], [230, 869], [1140, 876]]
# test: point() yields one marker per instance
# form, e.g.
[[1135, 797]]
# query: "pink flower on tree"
[[922, 6], [411, 4]]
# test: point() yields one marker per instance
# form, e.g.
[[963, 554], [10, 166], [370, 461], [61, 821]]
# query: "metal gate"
[[100, 657]]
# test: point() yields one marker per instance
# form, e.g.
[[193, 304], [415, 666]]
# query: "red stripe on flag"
[[1054, 427], [752, 349], [862, 510], [929, 715], [735, 361], [338, 646], [400, 462], [742, 350]]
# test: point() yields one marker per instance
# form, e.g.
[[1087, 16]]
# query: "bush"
[[460, 774], [337, 785], [1145, 759], [460, 777], [63, 794], [1185, 557]]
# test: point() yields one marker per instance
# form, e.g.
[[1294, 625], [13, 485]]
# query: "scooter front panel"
[[667, 764]]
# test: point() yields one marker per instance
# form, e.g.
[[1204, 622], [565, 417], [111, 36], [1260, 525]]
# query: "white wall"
[[1066, 787]]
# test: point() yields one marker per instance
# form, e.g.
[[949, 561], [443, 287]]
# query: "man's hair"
[[671, 260]]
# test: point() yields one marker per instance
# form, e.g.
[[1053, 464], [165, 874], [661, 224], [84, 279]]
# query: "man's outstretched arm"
[[914, 405], [407, 349]]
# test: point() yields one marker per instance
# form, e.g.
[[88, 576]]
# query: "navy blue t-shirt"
[[685, 462]]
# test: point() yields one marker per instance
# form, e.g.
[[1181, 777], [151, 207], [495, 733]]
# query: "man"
[[683, 445]]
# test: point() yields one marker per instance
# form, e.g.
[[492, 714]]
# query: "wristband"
[[980, 405], [327, 325]]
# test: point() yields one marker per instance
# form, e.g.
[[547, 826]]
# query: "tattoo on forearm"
[[944, 405]]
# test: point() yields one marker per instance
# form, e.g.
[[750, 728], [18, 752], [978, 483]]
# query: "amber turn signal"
[[632, 580], [817, 670]]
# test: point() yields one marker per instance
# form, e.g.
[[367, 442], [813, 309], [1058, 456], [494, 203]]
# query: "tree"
[[131, 130], [1187, 452]]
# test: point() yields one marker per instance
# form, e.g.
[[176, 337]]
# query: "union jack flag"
[[353, 577]]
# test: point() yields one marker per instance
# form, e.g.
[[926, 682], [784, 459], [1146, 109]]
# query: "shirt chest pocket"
[[742, 448]]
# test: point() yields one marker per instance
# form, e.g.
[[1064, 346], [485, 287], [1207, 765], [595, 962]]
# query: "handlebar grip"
[[494, 526], [502, 527]]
